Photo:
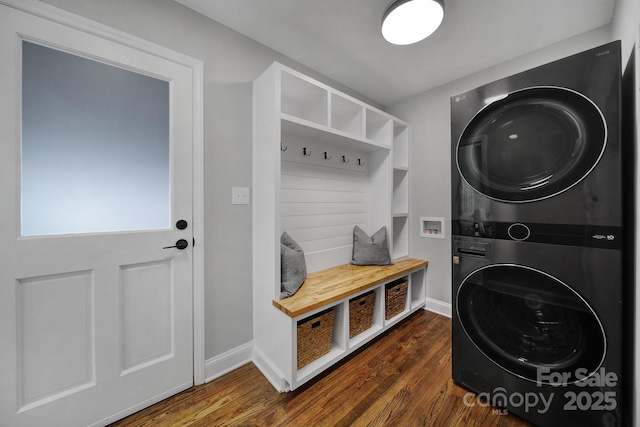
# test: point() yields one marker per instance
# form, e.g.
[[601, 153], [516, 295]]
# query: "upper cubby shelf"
[[379, 127], [310, 108], [346, 115], [304, 100]]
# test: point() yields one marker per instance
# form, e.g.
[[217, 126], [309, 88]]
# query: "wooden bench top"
[[326, 286]]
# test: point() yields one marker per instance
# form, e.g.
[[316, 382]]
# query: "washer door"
[[530, 323], [532, 144]]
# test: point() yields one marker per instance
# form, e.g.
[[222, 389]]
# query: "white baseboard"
[[234, 358], [276, 379], [227, 361], [439, 307]]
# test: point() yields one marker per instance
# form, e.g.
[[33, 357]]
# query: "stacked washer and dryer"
[[537, 208]]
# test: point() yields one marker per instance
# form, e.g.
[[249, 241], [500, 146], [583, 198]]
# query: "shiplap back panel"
[[321, 200]]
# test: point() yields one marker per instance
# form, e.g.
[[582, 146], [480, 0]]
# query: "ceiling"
[[341, 38]]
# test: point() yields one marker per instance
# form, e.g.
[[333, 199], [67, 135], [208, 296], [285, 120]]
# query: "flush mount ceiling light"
[[409, 21]]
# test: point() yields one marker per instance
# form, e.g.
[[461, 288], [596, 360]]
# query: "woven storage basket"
[[395, 295], [361, 313], [314, 336]]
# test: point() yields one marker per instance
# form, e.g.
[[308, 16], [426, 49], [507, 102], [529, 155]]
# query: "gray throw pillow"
[[372, 250], [293, 267]]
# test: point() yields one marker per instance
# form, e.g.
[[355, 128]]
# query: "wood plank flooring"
[[401, 379]]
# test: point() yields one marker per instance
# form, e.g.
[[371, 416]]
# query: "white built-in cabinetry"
[[323, 162], [400, 205]]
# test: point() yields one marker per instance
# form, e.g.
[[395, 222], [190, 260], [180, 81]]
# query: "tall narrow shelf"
[[400, 202], [323, 162], [400, 237], [400, 145]]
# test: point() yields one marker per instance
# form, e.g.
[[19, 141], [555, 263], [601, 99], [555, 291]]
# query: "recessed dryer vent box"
[[432, 227]]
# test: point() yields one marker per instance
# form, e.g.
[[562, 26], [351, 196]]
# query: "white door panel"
[[91, 323]]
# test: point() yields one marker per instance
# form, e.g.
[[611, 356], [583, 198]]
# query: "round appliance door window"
[[532, 144], [531, 324]]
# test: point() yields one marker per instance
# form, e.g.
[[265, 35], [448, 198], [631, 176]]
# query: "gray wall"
[[231, 63], [624, 26]]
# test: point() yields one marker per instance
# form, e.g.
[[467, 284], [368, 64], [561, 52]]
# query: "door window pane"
[[95, 146]]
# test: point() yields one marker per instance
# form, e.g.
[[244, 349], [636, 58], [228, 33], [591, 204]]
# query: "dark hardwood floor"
[[401, 379]]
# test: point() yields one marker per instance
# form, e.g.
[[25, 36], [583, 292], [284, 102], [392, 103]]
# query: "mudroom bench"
[[325, 162], [339, 309]]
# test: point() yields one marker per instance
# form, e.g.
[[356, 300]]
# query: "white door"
[[95, 172]]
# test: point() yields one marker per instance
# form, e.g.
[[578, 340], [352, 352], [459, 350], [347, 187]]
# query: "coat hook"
[[305, 153], [325, 156], [344, 160], [283, 149], [360, 162]]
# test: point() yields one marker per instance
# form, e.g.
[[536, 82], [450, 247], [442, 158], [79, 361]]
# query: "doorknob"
[[180, 244]]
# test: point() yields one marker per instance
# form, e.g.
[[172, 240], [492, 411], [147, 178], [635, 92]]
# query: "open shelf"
[[346, 115], [338, 343], [400, 203], [365, 336], [378, 127], [300, 128], [399, 316], [320, 364], [400, 200], [376, 324], [302, 99], [393, 287], [400, 237], [417, 285], [400, 145]]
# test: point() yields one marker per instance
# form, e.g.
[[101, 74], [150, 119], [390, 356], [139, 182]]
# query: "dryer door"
[[530, 323], [531, 144]]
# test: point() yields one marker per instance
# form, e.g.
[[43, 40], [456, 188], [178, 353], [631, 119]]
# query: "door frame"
[[635, 387], [71, 20]]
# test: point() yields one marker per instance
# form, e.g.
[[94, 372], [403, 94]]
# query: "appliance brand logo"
[[606, 52], [603, 237]]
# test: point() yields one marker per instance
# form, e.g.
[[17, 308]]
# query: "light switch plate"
[[240, 195]]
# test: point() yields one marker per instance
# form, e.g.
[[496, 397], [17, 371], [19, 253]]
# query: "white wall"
[[429, 117], [231, 63], [626, 18]]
